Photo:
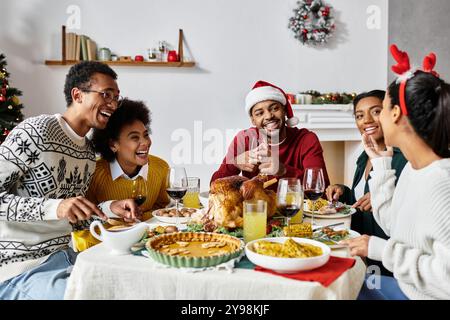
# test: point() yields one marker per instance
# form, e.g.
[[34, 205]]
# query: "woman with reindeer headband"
[[415, 213]]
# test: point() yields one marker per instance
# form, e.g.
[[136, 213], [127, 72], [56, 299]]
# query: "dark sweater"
[[364, 222]]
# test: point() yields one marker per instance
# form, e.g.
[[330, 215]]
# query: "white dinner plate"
[[318, 215], [153, 223]]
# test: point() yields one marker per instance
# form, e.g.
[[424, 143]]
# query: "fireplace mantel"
[[329, 122]]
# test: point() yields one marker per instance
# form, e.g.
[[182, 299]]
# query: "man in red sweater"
[[273, 146]]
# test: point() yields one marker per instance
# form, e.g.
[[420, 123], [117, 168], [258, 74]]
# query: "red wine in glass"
[[139, 200], [176, 193], [289, 199], [313, 195], [288, 211], [313, 186], [177, 185], [139, 191]]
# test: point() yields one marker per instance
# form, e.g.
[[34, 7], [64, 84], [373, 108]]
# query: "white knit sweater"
[[41, 162], [416, 216]]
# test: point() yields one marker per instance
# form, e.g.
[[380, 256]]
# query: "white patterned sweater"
[[42, 161], [416, 216]]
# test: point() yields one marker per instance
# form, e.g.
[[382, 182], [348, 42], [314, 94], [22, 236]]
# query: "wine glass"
[[289, 199], [313, 186], [177, 184], [255, 141], [139, 191]]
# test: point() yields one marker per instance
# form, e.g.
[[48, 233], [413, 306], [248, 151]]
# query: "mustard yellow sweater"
[[103, 188]]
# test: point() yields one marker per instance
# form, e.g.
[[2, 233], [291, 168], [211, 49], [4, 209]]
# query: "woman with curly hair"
[[124, 148], [415, 213]]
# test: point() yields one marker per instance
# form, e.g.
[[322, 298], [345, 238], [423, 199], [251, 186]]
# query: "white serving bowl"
[[170, 220], [288, 265]]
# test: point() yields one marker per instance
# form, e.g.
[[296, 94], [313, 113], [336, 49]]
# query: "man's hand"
[[334, 192], [268, 164], [364, 203], [372, 149], [272, 167], [127, 209], [247, 161], [78, 209], [358, 246]]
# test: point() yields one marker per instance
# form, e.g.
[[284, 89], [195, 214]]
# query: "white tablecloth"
[[99, 275]]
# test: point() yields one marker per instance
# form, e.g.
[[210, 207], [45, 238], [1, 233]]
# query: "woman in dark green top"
[[367, 108]]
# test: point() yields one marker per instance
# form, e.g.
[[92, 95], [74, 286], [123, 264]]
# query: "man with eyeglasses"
[[46, 165]]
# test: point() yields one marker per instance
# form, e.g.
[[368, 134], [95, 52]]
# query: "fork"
[[331, 225]]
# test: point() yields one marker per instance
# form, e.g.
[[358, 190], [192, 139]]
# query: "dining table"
[[98, 274]]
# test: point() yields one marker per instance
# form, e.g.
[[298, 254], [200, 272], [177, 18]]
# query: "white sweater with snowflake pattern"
[[42, 161]]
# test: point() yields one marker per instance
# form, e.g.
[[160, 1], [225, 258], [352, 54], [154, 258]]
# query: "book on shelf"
[[69, 46], [74, 46], [84, 54], [91, 49], [79, 47]]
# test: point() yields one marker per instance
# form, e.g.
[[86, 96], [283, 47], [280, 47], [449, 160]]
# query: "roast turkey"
[[227, 195]]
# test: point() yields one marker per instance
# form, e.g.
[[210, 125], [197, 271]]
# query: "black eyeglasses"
[[107, 96]]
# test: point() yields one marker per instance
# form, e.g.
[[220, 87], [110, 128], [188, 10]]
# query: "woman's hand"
[[334, 192], [126, 209], [363, 203], [358, 246], [372, 149]]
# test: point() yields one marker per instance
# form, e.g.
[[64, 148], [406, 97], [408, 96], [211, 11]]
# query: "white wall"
[[420, 27], [234, 43]]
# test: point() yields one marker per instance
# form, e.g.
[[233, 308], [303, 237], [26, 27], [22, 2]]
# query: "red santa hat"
[[263, 91]]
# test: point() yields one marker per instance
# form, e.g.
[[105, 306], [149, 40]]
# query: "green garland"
[[331, 98]]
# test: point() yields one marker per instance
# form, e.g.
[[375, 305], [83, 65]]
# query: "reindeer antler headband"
[[403, 69]]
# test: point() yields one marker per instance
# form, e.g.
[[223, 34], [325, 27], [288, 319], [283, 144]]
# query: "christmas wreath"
[[312, 22]]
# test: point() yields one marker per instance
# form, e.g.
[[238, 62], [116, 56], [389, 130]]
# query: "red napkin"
[[325, 274]]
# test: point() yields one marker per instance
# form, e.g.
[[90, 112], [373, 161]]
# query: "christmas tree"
[[10, 106]]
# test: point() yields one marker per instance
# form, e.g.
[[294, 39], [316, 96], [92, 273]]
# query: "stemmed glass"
[[313, 186], [139, 191], [289, 199], [177, 184], [255, 142]]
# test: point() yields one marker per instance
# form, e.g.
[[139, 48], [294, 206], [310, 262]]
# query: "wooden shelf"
[[128, 63]]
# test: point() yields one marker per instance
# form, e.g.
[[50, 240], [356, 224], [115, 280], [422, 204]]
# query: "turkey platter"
[[227, 195]]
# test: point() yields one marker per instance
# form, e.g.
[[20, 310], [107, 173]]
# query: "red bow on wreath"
[[403, 69]]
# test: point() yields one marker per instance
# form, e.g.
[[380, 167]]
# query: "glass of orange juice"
[[192, 199], [255, 219]]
